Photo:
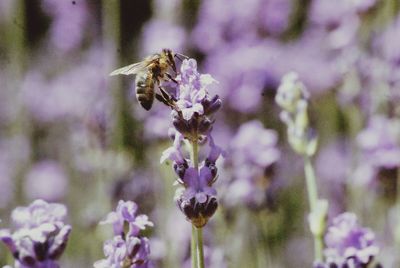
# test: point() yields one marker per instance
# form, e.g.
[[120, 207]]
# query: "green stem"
[[193, 247], [313, 201], [197, 233], [195, 154], [311, 183], [111, 41], [200, 254]]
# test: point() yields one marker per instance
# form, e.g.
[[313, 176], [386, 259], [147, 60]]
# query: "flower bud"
[[198, 213], [180, 169], [211, 106]]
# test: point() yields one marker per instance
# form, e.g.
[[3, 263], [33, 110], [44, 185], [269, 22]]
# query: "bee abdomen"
[[145, 89]]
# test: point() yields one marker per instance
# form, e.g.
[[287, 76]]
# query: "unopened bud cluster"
[[292, 97]]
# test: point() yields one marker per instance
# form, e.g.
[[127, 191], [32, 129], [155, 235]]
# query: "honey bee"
[[150, 72]]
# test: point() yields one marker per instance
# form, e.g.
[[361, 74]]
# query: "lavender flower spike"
[[348, 244], [41, 235], [127, 249]]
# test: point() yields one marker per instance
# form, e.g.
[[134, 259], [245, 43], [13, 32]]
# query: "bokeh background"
[[70, 133]]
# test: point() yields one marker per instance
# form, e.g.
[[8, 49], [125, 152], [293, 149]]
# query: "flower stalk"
[[191, 114], [292, 97], [197, 233], [313, 202]]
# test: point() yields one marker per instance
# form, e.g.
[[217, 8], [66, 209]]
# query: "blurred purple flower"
[[379, 159], [155, 122], [69, 21], [340, 20], [219, 23], [334, 152], [40, 236], [380, 142], [243, 80], [52, 99], [253, 151], [46, 180], [386, 42], [311, 61], [334, 176], [331, 15], [159, 34], [241, 77], [348, 244], [127, 248], [274, 15]]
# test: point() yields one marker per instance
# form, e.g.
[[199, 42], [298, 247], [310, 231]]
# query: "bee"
[[151, 72]]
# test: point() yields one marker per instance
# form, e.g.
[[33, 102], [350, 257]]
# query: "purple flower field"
[[214, 133]]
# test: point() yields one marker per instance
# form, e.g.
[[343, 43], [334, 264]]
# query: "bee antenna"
[[181, 56]]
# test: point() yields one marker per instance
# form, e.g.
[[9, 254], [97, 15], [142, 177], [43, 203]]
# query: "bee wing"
[[131, 69]]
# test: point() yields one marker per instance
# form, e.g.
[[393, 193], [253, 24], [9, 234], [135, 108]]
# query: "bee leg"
[[164, 93], [165, 98], [161, 99], [171, 78]]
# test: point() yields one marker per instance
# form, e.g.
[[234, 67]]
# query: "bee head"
[[170, 58]]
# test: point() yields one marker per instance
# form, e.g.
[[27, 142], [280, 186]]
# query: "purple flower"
[[49, 98], [275, 15], [255, 145], [385, 42], [242, 79], [335, 176], [380, 143], [253, 151], [131, 252], [155, 122], [40, 236], [158, 34], [68, 17], [194, 105], [220, 23], [46, 180], [349, 244], [192, 91], [127, 248], [197, 199], [126, 213]]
